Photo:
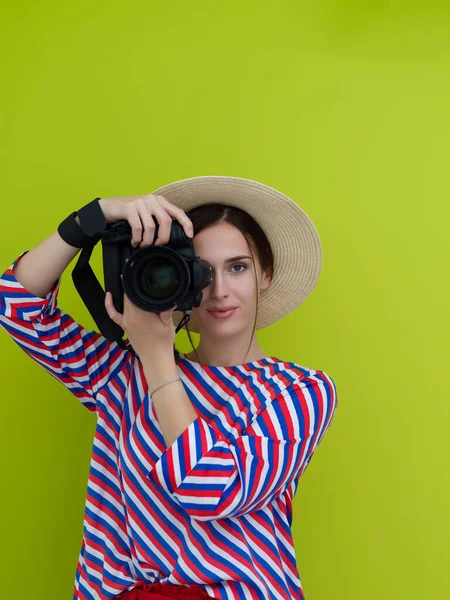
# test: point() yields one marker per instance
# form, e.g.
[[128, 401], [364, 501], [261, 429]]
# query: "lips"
[[222, 314]]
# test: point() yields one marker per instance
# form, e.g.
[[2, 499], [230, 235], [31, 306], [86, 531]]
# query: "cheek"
[[243, 291]]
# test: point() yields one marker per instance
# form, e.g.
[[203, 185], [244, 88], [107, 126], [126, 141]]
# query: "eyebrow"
[[234, 258]]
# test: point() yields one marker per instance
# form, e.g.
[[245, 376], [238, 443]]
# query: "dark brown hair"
[[213, 213]]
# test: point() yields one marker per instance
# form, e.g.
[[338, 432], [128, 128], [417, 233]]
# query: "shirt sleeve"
[[83, 361], [213, 478]]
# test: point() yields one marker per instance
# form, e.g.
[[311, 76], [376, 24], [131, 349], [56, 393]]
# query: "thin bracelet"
[[158, 388]]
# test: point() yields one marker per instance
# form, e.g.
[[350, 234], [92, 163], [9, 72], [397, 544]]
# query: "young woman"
[[196, 458]]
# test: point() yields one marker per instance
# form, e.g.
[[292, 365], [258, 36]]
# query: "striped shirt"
[[213, 509]]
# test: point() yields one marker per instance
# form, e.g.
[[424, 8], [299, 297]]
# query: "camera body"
[[155, 278]]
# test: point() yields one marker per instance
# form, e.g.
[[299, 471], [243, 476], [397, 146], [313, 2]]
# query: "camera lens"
[[156, 278], [159, 278]]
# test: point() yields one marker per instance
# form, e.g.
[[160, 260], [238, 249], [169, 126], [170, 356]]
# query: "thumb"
[[113, 314], [167, 315]]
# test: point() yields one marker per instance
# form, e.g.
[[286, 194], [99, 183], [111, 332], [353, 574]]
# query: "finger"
[[112, 312], [135, 222], [167, 315], [178, 214], [164, 223]]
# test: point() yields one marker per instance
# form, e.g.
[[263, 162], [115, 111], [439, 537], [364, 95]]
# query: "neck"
[[218, 355]]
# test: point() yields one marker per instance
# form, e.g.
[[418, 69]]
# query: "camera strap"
[[93, 296], [86, 236]]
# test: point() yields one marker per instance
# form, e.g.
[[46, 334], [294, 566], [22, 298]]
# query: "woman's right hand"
[[138, 211]]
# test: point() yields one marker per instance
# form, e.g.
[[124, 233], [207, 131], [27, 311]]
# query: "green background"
[[343, 106]]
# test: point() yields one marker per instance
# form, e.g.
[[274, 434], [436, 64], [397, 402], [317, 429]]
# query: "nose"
[[218, 286]]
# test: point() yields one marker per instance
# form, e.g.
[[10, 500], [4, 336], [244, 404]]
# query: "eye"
[[240, 265]]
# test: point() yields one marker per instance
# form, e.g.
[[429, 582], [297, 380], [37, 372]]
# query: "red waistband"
[[161, 591]]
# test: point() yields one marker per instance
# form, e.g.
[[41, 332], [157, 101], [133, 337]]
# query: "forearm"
[[173, 408], [43, 265]]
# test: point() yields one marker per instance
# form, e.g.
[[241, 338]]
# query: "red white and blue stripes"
[[215, 508]]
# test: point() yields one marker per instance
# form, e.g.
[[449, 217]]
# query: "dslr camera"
[[155, 278]]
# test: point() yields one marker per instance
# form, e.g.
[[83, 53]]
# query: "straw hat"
[[293, 238]]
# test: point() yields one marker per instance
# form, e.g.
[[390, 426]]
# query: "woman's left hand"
[[148, 333]]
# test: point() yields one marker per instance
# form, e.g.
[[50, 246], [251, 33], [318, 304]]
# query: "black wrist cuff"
[[92, 225]]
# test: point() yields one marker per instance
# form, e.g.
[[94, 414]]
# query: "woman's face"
[[233, 282]]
